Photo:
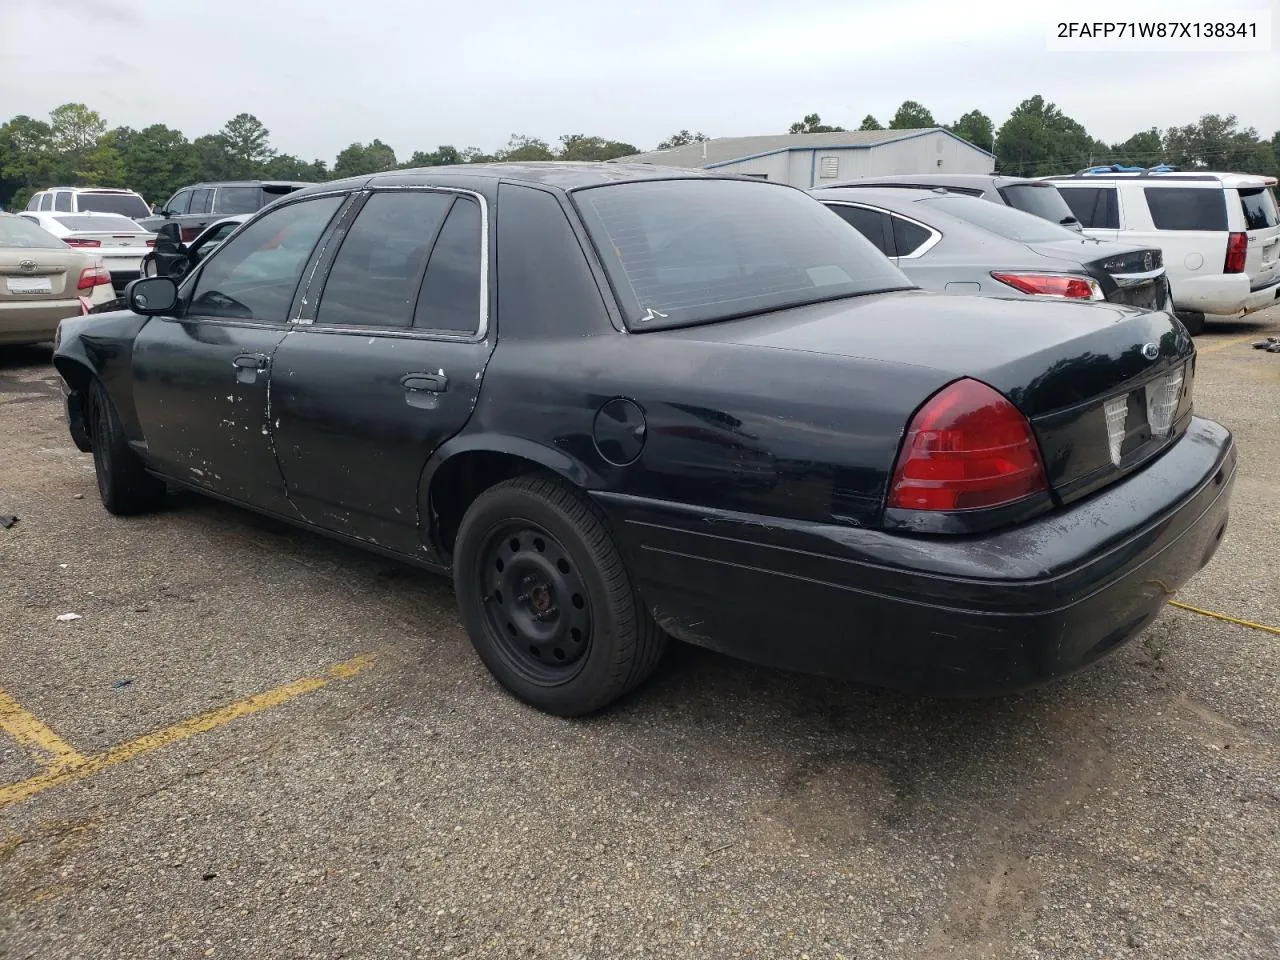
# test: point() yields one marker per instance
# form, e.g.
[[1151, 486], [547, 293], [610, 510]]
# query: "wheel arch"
[[465, 467]]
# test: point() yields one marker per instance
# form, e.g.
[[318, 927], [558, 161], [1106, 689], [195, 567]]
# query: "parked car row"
[[618, 403], [1218, 233]]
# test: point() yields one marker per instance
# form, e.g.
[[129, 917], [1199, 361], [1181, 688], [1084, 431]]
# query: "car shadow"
[[26, 356], [1238, 326]]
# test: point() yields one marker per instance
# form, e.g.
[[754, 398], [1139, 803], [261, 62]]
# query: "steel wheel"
[[536, 603]]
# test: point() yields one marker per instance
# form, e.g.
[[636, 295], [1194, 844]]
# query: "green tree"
[[442, 156], [911, 116], [976, 127], [103, 167], [213, 158], [285, 166], [248, 144], [158, 160], [1216, 142], [28, 151], [475, 155], [1038, 139], [870, 123], [522, 147], [359, 160], [579, 146], [812, 123], [683, 138], [1144, 149], [76, 131]]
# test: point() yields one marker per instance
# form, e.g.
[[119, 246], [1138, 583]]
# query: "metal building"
[[812, 159]]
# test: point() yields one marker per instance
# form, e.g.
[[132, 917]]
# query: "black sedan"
[[618, 403]]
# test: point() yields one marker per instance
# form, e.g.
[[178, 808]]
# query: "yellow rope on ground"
[[1222, 616]]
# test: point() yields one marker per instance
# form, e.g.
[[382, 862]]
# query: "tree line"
[[76, 146]]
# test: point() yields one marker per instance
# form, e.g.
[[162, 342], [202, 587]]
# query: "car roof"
[[1158, 178], [888, 197], [248, 183], [565, 175], [942, 179], [90, 190]]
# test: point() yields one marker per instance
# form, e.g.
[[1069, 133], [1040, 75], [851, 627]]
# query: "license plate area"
[[23, 285]]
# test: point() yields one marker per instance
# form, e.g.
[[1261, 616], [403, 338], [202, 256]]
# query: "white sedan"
[[118, 240]]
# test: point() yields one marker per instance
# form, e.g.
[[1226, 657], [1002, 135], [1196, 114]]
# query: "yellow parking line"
[[85, 766], [1223, 344], [46, 747], [1222, 616]]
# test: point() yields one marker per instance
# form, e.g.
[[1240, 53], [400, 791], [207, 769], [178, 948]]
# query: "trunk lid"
[[39, 274], [1130, 276], [1065, 365]]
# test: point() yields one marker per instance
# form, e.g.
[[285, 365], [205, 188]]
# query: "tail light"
[[967, 448], [1065, 286], [81, 242], [151, 243], [1237, 247], [91, 277]]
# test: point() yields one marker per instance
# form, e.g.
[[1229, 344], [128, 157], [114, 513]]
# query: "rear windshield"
[[1259, 208], [1042, 201], [125, 204], [1003, 221], [232, 200], [103, 224], [18, 233], [692, 251], [1187, 208]]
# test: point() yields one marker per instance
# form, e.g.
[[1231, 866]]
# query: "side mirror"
[[152, 296]]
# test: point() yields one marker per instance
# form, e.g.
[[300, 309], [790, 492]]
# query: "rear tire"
[[1193, 321], [547, 600], [123, 483]]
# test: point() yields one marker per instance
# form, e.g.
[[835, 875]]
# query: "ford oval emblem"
[[1150, 350]]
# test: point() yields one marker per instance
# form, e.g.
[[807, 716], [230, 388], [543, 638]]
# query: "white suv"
[[1219, 232], [126, 203]]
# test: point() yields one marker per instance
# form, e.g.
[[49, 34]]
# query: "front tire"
[[547, 600], [123, 483]]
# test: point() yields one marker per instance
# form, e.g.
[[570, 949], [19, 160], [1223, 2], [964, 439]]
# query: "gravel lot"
[[412, 809]]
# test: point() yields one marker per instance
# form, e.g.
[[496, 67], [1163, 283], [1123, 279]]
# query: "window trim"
[[406, 333], [186, 284], [935, 235]]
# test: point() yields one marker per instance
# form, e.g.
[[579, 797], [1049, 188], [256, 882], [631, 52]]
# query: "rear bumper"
[[972, 616], [1263, 297], [1223, 294], [34, 321]]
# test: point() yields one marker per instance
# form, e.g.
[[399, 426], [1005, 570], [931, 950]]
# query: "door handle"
[[251, 361], [428, 382]]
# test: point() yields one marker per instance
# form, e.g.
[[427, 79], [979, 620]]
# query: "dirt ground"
[[254, 742]]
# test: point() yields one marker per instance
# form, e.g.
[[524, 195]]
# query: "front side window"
[[376, 275], [1187, 208], [254, 275], [34, 202], [62, 201], [700, 250], [232, 200]]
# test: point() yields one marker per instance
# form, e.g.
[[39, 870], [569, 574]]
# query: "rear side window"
[[375, 277], [449, 300], [62, 201], [1259, 208], [1043, 201], [547, 288], [200, 201], [233, 200], [908, 237], [34, 203], [1094, 207], [125, 204], [1187, 208], [46, 202], [870, 223]]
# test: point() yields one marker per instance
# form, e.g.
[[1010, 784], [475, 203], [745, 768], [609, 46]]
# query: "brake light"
[[81, 242], [151, 243], [967, 448], [1065, 286], [1237, 246], [91, 277]]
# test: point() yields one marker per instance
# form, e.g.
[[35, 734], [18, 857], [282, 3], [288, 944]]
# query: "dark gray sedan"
[[959, 244]]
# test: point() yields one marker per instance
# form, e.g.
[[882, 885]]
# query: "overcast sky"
[[322, 74]]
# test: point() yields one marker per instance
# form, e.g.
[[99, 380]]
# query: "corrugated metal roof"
[[723, 149]]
